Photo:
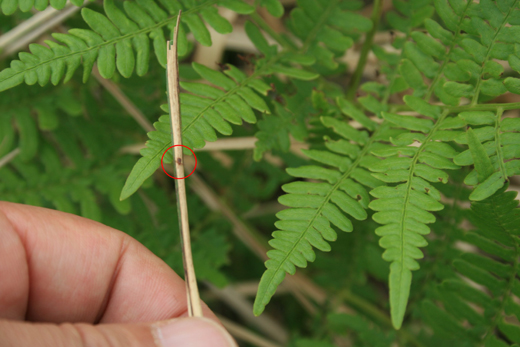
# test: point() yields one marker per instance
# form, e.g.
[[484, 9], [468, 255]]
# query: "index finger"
[[58, 267]]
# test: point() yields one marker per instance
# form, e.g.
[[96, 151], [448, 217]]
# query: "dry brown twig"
[[192, 291]]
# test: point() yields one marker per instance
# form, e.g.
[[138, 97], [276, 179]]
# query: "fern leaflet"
[[501, 141], [112, 41], [404, 209], [315, 205], [207, 109], [495, 268]]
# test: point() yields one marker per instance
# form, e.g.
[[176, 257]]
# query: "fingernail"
[[192, 332]]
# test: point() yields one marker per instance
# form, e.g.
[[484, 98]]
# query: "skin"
[[57, 267]]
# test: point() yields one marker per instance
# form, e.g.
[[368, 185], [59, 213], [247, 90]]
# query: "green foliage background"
[[413, 163]]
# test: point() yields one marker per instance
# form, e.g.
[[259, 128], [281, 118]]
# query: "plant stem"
[[365, 49], [246, 335]]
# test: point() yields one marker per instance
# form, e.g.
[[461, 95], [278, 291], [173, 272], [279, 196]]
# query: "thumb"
[[179, 332]]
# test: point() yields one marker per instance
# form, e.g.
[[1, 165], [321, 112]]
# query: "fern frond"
[[279, 62], [212, 108], [499, 141], [474, 312], [428, 57], [405, 17], [48, 182], [469, 69], [118, 40], [27, 130], [329, 23], [9, 7], [274, 130], [17, 107], [47, 106], [206, 110], [367, 333], [315, 205], [405, 208], [273, 6]]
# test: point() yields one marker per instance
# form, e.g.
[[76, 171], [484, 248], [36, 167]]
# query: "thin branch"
[[367, 45], [9, 156], [194, 306], [246, 335], [223, 144], [232, 143]]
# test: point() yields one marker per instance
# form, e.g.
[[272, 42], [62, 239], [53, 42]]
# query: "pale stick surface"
[[194, 307]]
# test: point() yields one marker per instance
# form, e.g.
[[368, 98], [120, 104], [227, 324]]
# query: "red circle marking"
[[180, 178]]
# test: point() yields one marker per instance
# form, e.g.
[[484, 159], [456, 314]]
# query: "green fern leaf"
[[273, 6], [405, 209], [45, 181], [400, 69], [485, 36], [212, 109], [274, 131], [496, 142], [9, 7], [28, 134], [118, 41], [18, 105], [482, 309], [316, 22], [314, 206]]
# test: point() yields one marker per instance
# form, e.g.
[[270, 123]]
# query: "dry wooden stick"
[[172, 76]]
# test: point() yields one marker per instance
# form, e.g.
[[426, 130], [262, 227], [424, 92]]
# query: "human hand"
[[69, 281]]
